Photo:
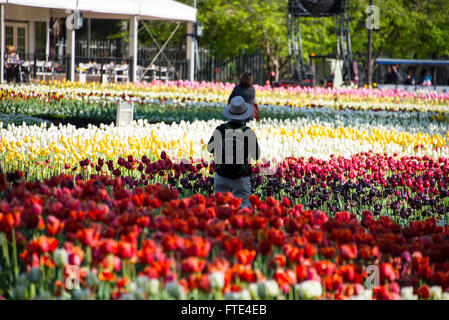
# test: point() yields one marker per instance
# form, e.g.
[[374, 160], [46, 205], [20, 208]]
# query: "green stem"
[[5, 250], [14, 252], [88, 256], [32, 291]]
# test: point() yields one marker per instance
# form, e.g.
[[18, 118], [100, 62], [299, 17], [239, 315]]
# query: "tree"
[[408, 29]]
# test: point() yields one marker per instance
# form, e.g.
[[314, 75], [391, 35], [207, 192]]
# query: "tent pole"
[[133, 45], [47, 41], [70, 50], [2, 40], [190, 51], [89, 37], [31, 39]]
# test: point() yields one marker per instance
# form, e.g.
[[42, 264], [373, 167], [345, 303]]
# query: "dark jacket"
[[235, 171], [247, 93]]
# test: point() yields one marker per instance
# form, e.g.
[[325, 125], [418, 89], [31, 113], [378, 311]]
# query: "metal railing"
[[168, 66], [110, 69], [216, 67]]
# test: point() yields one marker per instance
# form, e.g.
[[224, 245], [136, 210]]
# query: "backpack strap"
[[228, 126]]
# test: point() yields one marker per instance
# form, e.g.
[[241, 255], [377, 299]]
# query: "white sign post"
[[125, 112], [82, 77], [104, 79]]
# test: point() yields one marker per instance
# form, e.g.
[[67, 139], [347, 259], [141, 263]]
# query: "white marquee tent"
[[42, 10]]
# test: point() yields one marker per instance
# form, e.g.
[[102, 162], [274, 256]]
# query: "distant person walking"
[[410, 79], [233, 145], [392, 75], [246, 90]]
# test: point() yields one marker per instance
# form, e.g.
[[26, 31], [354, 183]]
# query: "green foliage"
[[81, 113], [20, 119], [412, 29], [408, 29]]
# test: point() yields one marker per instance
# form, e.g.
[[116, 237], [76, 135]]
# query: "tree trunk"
[[274, 64]]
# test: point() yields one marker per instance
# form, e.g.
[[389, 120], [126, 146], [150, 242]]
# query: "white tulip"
[[217, 280], [309, 290], [176, 290], [407, 294], [241, 295], [83, 294], [60, 257], [153, 287], [436, 293], [268, 289], [92, 279]]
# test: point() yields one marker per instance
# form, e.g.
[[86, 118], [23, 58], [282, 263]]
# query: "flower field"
[[349, 178]]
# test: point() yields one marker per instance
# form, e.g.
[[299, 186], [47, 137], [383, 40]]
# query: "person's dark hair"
[[246, 80]]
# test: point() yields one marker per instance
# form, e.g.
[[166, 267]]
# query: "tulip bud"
[[83, 294], [253, 291], [407, 294], [61, 257], [153, 287], [92, 279], [242, 295], [23, 280], [245, 295], [139, 294], [268, 289], [44, 295], [363, 295], [309, 290], [216, 280], [143, 282], [19, 292], [436, 293], [131, 287], [34, 275], [176, 290], [127, 296]]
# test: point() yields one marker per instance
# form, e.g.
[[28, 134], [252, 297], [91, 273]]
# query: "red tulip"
[[54, 225], [87, 237], [108, 246], [348, 252], [192, 265], [246, 256], [76, 256], [125, 250], [387, 272], [423, 292], [233, 245]]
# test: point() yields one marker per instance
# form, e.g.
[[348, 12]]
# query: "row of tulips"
[[169, 111], [403, 188], [97, 239], [184, 91], [314, 134]]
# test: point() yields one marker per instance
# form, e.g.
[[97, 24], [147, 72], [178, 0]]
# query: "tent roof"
[[145, 9], [413, 62]]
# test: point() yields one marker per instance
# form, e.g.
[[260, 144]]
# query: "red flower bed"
[[116, 234]]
